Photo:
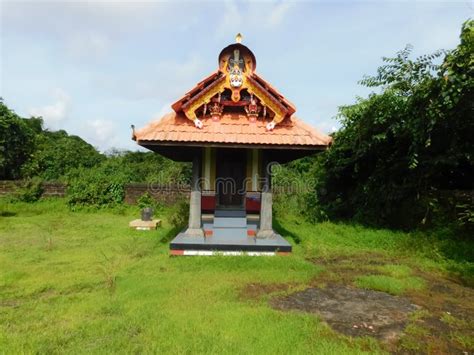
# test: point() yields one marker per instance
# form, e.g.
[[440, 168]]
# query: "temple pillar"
[[194, 227], [266, 229]]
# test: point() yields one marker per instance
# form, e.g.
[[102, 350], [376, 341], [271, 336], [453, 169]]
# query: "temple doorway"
[[230, 178]]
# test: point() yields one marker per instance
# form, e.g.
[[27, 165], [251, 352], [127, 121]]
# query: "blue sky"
[[95, 68]]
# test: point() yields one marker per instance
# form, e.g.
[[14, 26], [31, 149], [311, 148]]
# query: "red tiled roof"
[[231, 129]]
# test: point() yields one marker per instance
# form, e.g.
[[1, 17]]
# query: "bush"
[[179, 215], [146, 200], [401, 145], [101, 186], [31, 190]]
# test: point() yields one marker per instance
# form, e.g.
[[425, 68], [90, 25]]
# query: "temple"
[[232, 126]]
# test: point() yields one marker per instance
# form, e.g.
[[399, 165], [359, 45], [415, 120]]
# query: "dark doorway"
[[231, 172]]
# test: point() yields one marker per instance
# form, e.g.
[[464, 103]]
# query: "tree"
[[57, 153], [17, 136], [397, 147]]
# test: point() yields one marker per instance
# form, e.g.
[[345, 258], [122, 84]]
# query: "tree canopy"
[[399, 146]]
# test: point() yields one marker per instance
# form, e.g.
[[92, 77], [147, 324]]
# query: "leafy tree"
[[151, 167], [57, 153], [16, 142], [396, 148]]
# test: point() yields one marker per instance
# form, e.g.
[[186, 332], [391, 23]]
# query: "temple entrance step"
[[230, 213], [230, 222], [230, 233]]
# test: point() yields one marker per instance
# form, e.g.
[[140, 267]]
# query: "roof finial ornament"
[[238, 38]]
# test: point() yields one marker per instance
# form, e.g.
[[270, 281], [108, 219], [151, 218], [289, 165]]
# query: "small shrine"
[[232, 126]]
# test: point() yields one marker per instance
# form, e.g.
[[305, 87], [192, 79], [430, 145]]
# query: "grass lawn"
[[84, 282]]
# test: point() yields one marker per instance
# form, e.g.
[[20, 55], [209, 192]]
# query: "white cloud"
[[166, 108], [231, 19], [251, 16], [105, 134], [88, 44], [56, 112], [278, 13], [101, 130], [166, 80]]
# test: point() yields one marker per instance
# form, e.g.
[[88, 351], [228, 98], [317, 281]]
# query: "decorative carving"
[[236, 67], [204, 97], [277, 108], [198, 123], [252, 109], [216, 110], [235, 71], [271, 125]]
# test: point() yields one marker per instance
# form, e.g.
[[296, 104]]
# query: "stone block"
[[138, 224]]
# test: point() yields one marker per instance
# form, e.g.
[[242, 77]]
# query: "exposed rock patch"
[[352, 311]]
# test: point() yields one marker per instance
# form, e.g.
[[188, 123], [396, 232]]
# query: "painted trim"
[[224, 253], [318, 147]]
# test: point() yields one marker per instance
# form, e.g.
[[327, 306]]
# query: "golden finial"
[[238, 38]]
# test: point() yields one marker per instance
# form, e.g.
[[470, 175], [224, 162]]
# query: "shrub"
[[146, 200], [31, 190], [399, 145], [179, 215], [96, 187]]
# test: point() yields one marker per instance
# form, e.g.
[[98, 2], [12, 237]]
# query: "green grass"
[[389, 284], [82, 282]]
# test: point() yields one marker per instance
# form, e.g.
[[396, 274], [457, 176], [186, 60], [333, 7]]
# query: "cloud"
[[166, 108], [101, 133], [251, 16], [54, 113], [166, 80], [87, 44], [102, 130], [278, 13], [231, 19]]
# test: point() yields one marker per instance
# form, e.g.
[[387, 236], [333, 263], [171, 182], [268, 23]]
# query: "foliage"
[[145, 200], [104, 184], [151, 167], [179, 215], [101, 186], [31, 190], [28, 150], [57, 153], [398, 147], [31, 152], [16, 142]]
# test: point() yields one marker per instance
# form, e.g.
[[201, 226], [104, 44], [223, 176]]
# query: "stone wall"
[[167, 194], [50, 189]]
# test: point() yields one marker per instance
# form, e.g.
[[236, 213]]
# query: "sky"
[[96, 68]]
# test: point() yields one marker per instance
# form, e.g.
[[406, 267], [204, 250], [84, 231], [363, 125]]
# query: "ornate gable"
[[235, 88]]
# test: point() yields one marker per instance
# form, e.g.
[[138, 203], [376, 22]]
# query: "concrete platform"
[[225, 241], [138, 224]]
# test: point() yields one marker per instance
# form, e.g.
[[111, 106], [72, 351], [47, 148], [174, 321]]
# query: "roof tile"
[[232, 129]]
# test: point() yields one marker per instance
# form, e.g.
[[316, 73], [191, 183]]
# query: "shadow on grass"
[[285, 232], [7, 214], [173, 232]]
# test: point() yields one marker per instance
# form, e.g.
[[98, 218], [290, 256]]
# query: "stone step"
[[230, 222], [229, 232], [230, 213]]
